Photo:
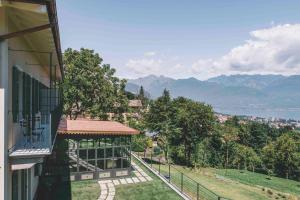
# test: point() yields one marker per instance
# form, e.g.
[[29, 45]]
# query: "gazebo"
[[97, 149]]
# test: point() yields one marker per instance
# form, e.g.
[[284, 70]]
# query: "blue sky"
[[185, 38]]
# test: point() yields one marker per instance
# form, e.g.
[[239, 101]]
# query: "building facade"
[[97, 149], [30, 103]]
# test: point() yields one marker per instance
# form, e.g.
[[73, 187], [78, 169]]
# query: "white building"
[[30, 68]]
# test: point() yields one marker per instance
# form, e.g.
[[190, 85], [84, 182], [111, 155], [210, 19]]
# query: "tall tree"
[[229, 135], [158, 120], [89, 86], [195, 120], [284, 154]]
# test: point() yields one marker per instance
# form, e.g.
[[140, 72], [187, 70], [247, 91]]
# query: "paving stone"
[[142, 179], [135, 180], [103, 186], [129, 180], [110, 198], [138, 174], [123, 181], [105, 181], [104, 192], [116, 182], [102, 196], [148, 178], [110, 185]]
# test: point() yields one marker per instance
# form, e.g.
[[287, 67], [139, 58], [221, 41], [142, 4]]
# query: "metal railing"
[[177, 178], [34, 131]]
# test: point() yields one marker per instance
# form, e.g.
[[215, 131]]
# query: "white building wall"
[[8, 130], [5, 179]]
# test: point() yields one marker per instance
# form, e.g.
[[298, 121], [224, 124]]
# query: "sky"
[[182, 39]]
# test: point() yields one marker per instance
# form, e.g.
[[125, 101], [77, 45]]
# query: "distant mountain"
[[251, 81], [259, 95]]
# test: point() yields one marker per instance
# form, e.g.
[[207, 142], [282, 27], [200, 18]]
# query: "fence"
[[184, 183]]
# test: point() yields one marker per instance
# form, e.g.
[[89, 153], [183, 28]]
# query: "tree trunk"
[[226, 164]]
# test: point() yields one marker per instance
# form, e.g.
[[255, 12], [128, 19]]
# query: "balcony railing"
[[35, 135]]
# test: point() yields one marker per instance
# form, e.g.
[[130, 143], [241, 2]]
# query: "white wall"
[[8, 59], [4, 173]]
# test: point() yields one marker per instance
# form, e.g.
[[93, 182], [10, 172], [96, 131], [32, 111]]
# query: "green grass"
[[229, 187], [250, 178], [151, 190], [85, 190]]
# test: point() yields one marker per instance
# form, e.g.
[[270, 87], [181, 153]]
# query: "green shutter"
[[15, 94], [24, 95]]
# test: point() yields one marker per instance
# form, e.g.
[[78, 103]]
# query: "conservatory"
[[97, 149]]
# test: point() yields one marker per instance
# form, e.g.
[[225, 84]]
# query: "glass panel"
[[83, 154], [92, 165], [100, 164], [72, 144], [126, 163], [102, 142], [100, 153], [118, 152], [108, 142], [111, 164], [91, 154], [119, 163], [90, 143], [109, 152], [73, 166], [82, 169], [83, 144]]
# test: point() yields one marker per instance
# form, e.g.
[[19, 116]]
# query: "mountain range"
[[256, 95]]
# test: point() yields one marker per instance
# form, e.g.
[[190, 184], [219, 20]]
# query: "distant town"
[[272, 121]]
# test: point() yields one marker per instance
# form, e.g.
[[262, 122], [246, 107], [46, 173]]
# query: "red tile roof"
[[94, 127]]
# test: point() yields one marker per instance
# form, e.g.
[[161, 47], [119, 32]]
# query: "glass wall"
[[99, 154]]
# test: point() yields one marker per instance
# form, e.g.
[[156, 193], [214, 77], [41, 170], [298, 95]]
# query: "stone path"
[[108, 186]]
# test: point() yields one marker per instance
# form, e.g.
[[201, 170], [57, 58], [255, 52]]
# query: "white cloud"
[[274, 50], [150, 53], [269, 51], [144, 66]]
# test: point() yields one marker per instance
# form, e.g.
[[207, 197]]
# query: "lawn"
[[250, 178], [155, 189], [230, 187], [152, 190], [85, 190]]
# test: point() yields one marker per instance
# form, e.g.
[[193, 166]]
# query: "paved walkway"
[[108, 186]]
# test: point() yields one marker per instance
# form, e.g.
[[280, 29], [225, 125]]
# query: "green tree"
[[229, 135], [89, 86], [283, 155], [158, 120], [195, 121], [245, 156]]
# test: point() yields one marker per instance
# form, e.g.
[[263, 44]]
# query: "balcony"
[[35, 136]]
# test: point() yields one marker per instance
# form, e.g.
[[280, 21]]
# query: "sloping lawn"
[[85, 190], [236, 185], [151, 190], [250, 178]]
